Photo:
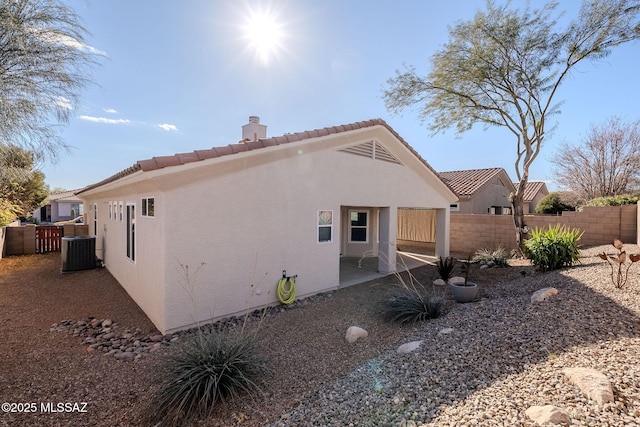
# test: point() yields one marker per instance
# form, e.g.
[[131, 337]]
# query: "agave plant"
[[619, 277]]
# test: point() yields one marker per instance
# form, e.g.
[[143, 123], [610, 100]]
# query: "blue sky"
[[183, 75]]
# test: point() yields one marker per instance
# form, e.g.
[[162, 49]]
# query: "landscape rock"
[[445, 331], [409, 347], [456, 280], [439, 282], [542, 294], [354, 333], [127, 355], [548, 415], [106, 323], [591, 382]]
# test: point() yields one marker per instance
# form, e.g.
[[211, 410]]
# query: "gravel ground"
[[501, 356]]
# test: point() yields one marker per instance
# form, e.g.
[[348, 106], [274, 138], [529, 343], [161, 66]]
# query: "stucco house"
[[195, 237], [533, 193], [61, 206], [481, 191]]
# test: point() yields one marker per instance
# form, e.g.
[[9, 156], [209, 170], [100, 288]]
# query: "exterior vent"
[[78, 253], [373, 150]]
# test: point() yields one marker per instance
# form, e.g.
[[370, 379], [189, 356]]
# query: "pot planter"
[[463, 293]]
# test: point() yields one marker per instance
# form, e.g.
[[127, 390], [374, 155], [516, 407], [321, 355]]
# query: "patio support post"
[[387, 245], [442, 232]]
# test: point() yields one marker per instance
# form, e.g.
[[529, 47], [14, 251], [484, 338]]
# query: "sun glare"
[[264, 34]]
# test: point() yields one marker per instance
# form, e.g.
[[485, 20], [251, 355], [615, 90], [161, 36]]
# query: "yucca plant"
[[445, 267], [554, 247], [410, 306], [208, 368], [619, 277]]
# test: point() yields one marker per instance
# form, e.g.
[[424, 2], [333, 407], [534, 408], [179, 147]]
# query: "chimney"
[[253, 131]]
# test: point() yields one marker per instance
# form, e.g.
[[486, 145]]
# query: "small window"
[[325, 226], [110, 210], [454, 207], [358, 226], [148, 206], [121, 211]]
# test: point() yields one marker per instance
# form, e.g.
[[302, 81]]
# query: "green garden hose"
[[287, 290]]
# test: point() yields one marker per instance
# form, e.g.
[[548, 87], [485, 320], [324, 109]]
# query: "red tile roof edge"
[[468, 182], [197, 155]]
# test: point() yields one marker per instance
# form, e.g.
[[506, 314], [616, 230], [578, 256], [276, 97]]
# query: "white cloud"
[[109, 110], [64, 103], [54, 37], [168, 127], [105, 120]]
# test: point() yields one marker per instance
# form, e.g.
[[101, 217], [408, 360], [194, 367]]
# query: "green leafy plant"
[[491, 258], [620, 275], [208, 368], [445, 267], [552, 204], [622, 199], [554, 247], [411, 306]]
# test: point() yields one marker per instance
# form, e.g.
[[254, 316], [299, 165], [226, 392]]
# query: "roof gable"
[[532, 189], [470, 182], [375, 150]]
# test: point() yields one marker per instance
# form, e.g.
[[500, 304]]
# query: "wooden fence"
[[26, 239]]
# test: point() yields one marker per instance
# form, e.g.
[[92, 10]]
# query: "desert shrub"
[[406, 306], [552, 204], [492, 258], [445, 267], [208, 368], [554, 247], [623, 199]]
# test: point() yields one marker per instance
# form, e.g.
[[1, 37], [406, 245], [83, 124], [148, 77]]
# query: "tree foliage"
[[605, 163], [552, 203], [22, 187], [504, 68], [44, 64]]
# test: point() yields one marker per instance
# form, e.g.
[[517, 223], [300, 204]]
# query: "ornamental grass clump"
[[491, 258], [554, 247], [410, 307], [207, 369], [619, 266]]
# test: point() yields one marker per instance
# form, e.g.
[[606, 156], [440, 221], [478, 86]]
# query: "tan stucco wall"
[[238, 221]]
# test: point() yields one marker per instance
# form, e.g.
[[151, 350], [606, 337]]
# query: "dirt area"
[[305, 345]]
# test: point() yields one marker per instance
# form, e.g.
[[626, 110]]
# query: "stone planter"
[[461, 292]]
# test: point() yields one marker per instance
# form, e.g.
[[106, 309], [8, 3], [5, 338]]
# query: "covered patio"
[[355, 270]]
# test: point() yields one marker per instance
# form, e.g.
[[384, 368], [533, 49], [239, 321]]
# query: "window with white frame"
[[131, 231], [148, 206], [325, 226], [121, 211], [358, 226], [95, 219], [454, 207], [110, 210]]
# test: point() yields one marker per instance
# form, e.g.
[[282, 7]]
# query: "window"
[[110, 210], [95, 219], [121, 211], [454, 207], [131, 232], [148, 206], [325, 226], [358, 226]]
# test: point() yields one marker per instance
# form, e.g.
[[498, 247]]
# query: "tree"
[[606, 163], [552, 203], [44, 64], [22, 186], [504, 68]]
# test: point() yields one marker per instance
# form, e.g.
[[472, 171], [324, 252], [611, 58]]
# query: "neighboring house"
[[61, 206], [481, 191], [195, 237], [533, 193]]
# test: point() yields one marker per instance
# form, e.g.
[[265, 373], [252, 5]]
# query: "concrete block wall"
[[601, 225], [20, 240]]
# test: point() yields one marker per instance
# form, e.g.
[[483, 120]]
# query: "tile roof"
[[198, 155], [468, 182], [532, 189]]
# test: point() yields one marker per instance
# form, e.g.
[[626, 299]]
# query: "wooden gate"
[[48, 238]]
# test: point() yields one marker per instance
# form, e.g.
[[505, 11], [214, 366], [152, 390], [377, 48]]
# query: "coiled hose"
[[287, 290]]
